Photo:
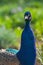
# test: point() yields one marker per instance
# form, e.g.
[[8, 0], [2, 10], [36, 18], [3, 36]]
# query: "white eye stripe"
[[26, 17]]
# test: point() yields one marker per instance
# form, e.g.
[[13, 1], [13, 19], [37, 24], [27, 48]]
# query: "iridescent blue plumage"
[[27, 53], [13, 51]]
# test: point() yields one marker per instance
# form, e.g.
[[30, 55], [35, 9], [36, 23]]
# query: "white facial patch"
[[26, 17]]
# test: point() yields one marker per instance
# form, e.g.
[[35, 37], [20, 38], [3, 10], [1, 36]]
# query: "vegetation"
[[12, 23]]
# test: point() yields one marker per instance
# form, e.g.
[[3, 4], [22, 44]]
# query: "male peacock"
[[27, 53]]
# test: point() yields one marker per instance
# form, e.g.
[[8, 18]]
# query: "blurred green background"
[[12, 23]]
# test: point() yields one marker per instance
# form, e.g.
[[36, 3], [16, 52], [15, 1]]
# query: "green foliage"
[[10, 38], [40, 54], [12, 17], [12, 22], [7, 37]]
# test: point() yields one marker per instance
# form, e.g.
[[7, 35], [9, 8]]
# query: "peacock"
[[27, 53]]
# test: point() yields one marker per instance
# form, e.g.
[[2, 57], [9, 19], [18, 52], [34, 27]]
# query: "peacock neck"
[[27, 25], [26, 44], [27, 22], [24, 38]]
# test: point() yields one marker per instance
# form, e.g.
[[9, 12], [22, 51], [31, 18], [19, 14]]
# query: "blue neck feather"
[[27, 50]]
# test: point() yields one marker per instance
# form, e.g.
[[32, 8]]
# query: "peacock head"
[[27, 16]]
